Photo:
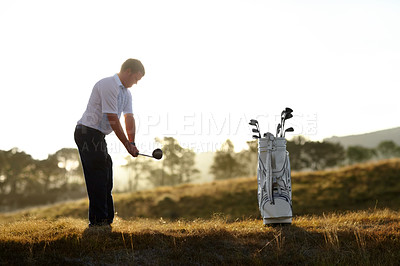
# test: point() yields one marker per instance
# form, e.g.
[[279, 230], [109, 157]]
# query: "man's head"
[[131, 72]]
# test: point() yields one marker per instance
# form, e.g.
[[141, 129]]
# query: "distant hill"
[[368, 140]]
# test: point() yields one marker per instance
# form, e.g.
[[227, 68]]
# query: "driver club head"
[[157, 154]]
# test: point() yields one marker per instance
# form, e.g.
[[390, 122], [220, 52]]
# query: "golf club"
[[277, 129], [287, 116], [157, 154], [290, 129], [256, 131], [284, 113], [254, 122]]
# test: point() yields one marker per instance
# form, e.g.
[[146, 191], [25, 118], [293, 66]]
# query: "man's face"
[[133, 78]]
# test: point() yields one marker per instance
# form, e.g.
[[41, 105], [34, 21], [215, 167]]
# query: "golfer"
[[110, 97]]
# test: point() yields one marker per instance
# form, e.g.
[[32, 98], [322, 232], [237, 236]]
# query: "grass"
[[360, 186], [356, 238], [337, 221]]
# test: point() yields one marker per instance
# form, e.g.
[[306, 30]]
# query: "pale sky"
[[210, 67]]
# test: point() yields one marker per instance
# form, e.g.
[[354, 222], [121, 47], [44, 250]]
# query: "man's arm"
[[116, 126], [130, 127]]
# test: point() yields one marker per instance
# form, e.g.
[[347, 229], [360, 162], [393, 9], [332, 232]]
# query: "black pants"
[[97, 168]]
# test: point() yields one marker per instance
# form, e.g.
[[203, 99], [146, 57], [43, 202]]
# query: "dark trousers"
[[97, 168]]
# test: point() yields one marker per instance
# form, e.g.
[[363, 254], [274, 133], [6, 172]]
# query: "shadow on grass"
[[280, 245]]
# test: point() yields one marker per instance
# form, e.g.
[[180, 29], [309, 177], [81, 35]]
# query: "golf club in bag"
[[273, 177]]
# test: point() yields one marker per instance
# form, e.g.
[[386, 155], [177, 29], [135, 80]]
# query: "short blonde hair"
[[134, 65]]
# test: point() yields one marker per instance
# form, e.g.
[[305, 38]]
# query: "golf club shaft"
[[283, 114], [145, 155]]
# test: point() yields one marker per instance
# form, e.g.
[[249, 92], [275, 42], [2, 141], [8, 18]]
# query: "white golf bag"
[[274, 181]]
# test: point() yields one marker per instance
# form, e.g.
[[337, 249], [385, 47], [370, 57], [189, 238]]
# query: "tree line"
[[26, 181], [304, 155]]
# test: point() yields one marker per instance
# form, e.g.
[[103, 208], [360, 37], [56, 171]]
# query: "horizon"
[[119, 153]]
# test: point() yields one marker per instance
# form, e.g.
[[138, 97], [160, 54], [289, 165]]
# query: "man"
[[110, 97]]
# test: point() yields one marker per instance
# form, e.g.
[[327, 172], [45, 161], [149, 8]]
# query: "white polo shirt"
[[108, 96]]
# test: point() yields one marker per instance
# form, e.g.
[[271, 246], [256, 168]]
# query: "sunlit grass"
[[357, 238]]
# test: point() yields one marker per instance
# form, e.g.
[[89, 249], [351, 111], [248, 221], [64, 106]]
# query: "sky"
[[211, 66]]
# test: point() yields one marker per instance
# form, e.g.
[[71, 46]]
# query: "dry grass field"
[[354, 238], [357, 223]]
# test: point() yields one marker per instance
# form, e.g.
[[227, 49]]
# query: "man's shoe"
[[98, 225]]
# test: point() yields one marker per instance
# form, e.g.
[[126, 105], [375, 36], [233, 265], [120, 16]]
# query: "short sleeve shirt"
[[108, 96]]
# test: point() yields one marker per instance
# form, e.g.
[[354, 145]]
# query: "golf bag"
[[274, 181]]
